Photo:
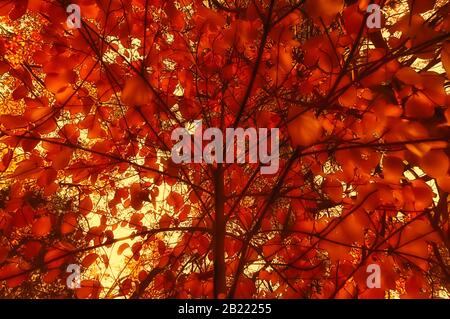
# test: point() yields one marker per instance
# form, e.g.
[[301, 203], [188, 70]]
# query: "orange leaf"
[[176, 200], [27, 169], [333, 188], [89, 289], [42, 226], [444, 183], [445, 57], [165, 221], [419, 106], [52, 275], [136, 92], [85, 206], [138, 195], [12, 270], [423, 195], [304, 128], [122, 248], [6, 159], [69, 223], [12, 121], [89, 260], [420, 6], [435, 163], [62, 159], [393, 168], [409, 76], [325, 9], [349, 98], [3, 253]]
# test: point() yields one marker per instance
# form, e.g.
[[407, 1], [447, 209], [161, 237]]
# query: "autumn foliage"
[[85, 140]]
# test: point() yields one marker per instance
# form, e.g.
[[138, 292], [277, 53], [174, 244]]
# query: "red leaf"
[[176, 200], [122, 248], [419, 106], [435, 163], [136, 92], [85, 206], [89, 260], [89, 289], [304, 128], [42, 226], [445, 57], [69, 223]]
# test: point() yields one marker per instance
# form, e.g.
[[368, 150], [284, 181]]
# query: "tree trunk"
[[219, 234]]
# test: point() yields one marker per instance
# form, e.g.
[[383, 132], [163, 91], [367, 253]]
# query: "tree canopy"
[[87, 176]]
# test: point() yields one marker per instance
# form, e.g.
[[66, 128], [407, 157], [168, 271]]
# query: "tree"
[[363, 175]]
